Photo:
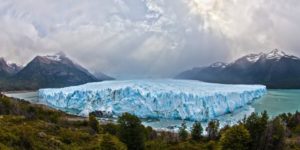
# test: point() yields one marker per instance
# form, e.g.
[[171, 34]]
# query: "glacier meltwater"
[[165, 98]]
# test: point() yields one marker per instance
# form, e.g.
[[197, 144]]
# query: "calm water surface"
[[278, 101]]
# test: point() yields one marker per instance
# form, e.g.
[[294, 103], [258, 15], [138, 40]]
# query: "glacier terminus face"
[[161, 98]]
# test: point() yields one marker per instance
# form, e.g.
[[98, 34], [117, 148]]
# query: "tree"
[[5, 105], [197, 131], [93, 123], [212, 129], [150, 134], [131, 132], [111, 143], [183, 134], [274, 136], [236, 138], [110, 128], [256, 125], [291, 120]]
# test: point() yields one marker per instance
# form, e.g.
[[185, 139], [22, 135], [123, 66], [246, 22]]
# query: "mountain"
[[8, 69], [275, 69], [102, 76], [45, 72], [52, 71]]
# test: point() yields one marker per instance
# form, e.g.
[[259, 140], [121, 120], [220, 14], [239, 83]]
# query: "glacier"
[[153, 98]]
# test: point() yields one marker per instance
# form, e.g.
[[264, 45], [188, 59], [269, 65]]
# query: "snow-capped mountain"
[[7, 69], [273, 55], [275, 69], [46, 71], [218, 65], [53, 71]]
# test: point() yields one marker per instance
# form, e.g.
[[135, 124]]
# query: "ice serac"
[[170, 99]]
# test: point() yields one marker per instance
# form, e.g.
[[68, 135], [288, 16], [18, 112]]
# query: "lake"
[[278, 101], [274, 102]]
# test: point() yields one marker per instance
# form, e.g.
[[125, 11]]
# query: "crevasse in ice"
[[164, 98]]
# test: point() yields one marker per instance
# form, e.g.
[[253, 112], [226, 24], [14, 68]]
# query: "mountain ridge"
[[47, 72], [7, 69], [275, 69]]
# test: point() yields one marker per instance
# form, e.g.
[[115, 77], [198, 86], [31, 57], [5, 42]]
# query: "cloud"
[[146, 38], [252, 26]]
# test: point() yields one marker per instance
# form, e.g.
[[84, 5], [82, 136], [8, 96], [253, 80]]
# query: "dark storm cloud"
[[146, 38]]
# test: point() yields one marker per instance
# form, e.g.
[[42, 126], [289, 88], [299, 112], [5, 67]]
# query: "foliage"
[[28, 126], [236, 138], [10, 106], [183, 134], [156, 145], [150, 133], [94, 124], [197, 131], [131, 132], [19, 133], [274, 136], [212, 129], [256, 125], [291, 120], [110, 128], [110, 142]]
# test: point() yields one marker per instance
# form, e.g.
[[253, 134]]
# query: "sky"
[[147, 38]]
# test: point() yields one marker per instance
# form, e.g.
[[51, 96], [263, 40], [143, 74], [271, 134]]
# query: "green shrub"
[[110, 142], [197, 131], [4, 147], [131, 132], [274, 135], [212, 129], [156, 145], [110, 128], [183, 134], [256, 125], [236, 138], [94, 124]]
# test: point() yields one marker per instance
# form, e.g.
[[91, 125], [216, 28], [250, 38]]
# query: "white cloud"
[[142, 38], [252, 26]]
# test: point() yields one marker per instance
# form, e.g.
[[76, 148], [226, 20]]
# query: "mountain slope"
[[102, 76], [275, 69], [53, 71], [45, 72], [7, 70]]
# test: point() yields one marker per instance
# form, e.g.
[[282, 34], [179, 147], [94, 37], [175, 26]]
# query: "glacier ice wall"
[[166, 98]]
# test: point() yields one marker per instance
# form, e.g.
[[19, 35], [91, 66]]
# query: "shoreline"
[[284, 102], [21, 91], [70, 117]]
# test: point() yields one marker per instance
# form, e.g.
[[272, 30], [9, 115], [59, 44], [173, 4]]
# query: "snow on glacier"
[[165, 98]]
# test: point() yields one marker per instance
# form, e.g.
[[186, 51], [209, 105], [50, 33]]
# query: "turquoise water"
[[278, 101], [28, 96], [274, 102]]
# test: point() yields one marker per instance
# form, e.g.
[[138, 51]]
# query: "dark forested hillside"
[[275, 70]]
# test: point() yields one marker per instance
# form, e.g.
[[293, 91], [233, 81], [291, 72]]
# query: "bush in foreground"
[[110, 142], [197, 131], [212, 129], [236, 138], [183, 134], [131, 132]]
